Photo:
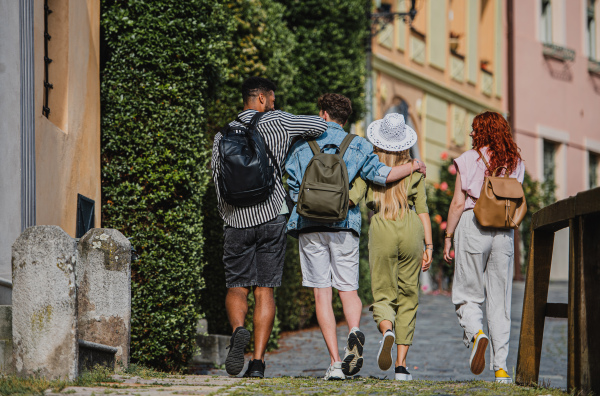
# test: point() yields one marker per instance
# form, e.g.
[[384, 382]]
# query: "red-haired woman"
[[484, 256]]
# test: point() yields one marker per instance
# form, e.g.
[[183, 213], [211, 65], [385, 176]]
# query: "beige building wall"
[[46, 161], [448, 66], [68, 140]]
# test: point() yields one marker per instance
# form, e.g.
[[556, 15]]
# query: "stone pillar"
[[44, 303], [104, 290]]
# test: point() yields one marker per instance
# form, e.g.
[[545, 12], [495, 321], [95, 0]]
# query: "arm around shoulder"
[[303, 125]]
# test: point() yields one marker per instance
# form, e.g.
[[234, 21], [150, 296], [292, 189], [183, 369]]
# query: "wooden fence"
[[582, 215]]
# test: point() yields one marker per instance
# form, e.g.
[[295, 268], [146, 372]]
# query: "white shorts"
[[329, 259]]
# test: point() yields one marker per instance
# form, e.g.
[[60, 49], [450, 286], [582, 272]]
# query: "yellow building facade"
[[440, 70]]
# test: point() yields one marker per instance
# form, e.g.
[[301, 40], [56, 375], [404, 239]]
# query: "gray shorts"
[[329, 259], [254, 256]]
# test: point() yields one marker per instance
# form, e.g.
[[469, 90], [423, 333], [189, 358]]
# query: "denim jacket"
[[359, 159]]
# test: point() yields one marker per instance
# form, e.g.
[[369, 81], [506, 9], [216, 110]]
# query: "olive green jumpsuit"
[[395, 257]]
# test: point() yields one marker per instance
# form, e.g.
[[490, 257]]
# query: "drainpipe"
[[511, 113]]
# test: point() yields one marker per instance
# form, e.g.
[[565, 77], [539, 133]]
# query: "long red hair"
[[492, 130]]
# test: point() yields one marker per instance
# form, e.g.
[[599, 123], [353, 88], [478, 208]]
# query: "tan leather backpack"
[[501, 203]]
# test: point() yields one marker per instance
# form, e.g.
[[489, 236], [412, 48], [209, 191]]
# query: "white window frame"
[[561, 139], [591, 35], [545, 22], [592, 146]]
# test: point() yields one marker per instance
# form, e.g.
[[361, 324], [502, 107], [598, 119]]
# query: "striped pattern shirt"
[[278, 128]]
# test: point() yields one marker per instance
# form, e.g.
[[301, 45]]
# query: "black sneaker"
[[235, 357], [256, 369], [402, 374]]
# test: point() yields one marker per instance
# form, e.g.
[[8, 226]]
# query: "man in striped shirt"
[[254, 236]]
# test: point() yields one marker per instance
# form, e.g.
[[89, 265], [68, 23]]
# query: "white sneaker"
[[334, 372], [402, 374], [384, 356]]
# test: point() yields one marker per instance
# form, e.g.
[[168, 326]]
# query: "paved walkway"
[[438, 352]]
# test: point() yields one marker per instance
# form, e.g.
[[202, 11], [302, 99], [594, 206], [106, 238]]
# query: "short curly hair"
[[252, 86], [337, 106]]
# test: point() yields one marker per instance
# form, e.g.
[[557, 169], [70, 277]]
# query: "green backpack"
[[324, 191]]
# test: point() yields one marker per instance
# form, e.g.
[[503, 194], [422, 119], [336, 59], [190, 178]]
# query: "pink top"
[[472, 173]]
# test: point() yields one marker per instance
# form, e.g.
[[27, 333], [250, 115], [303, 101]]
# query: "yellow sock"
[[502, 374]]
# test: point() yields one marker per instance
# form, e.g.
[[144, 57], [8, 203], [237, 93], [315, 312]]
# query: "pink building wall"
[[556, 100]]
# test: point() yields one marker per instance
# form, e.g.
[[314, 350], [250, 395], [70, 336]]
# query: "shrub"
[[161, 62], [439, 196], [538, 195], [330, 52]]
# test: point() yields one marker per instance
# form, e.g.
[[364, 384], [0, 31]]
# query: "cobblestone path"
[[438, 352]]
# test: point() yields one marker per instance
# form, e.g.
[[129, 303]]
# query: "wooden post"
[[574, 347], [589, 301], [534, 306]]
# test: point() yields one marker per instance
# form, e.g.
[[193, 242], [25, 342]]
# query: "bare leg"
[[264, 316], [385, 325], [352, 307], [236, 303], [326, 319], [402, 352]]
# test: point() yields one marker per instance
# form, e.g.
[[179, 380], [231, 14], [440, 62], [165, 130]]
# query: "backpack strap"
[[346, 143], [484, 161], [314, 146], [343, 146], [253, 124]]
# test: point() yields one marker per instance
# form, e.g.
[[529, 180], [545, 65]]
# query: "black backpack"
[[245, 178]]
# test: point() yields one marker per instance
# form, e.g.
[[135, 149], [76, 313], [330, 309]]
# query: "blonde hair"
[[392, 199]]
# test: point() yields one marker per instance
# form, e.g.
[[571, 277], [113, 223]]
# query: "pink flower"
[[452, 169], [444, 156], [444, 186], [443, 225], [425, 288], [452, 253], [437, 218]]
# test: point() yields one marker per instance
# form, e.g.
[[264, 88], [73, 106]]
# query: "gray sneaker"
[[334, 372], [353, 359]]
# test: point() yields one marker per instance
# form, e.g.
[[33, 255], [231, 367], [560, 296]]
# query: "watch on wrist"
[[446, 235]]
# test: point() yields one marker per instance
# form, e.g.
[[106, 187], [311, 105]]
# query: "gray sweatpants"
[[484, 268]]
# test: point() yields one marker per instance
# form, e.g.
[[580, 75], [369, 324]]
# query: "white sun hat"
[[391, 133]]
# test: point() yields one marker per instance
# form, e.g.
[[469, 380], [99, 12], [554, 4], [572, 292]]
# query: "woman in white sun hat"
[[399, 241]]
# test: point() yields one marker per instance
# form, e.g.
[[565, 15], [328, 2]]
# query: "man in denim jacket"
[[329, 254]]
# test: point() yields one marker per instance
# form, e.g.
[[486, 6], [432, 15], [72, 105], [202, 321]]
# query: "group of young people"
[[380, 172]]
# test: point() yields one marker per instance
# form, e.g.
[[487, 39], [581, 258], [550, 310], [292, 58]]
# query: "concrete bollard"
[[44, 303], [104, 290]]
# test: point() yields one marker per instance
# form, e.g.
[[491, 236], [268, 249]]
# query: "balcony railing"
[[594, 66], [558, 52]]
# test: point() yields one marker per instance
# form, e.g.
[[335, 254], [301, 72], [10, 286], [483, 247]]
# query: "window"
[[549, 161], [591, 29], [546, 22], [593, 160]]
